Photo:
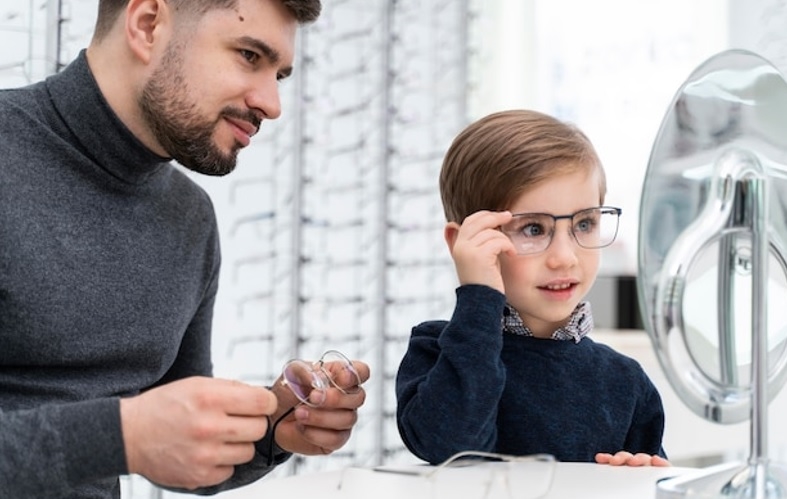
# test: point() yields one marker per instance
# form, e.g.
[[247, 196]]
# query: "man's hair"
[[497, 158], [304, 11]]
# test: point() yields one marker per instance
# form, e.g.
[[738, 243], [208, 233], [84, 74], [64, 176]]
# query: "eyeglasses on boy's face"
[[592, 228]]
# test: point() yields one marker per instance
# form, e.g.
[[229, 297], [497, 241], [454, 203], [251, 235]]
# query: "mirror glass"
[[730, 113], [727, 358]]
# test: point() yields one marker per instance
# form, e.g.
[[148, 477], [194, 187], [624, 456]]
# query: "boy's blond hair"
[[497, 158]]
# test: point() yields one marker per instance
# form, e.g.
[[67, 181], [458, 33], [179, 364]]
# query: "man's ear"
[[145, 26], [450, 233]]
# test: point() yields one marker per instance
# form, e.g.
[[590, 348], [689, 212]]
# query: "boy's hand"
[[476, 245], [623, 458]]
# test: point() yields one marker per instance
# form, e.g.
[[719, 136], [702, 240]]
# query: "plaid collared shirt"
[[579, 325]]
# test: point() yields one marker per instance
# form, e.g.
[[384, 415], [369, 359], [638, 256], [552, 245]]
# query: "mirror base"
[[762, 480]]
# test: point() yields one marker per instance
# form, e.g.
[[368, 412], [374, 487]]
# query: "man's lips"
[[248, 130]]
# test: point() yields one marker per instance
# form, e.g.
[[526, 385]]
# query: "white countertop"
[[686, 436], [569, 481]]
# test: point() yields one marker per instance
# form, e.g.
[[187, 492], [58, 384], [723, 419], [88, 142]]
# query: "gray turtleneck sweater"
[[109, 262]]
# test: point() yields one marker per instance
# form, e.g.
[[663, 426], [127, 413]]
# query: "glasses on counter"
[[466, 475]]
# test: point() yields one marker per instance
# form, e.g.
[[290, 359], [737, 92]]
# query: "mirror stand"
[[713, 219], [759, 478]]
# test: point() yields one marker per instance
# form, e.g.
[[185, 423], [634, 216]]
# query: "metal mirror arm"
[[754, 480], [711, 398], [728, 262], [756, 203]]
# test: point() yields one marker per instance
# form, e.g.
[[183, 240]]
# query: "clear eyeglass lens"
[[309, 381], [596, 227], [340, 372], [306, 384]]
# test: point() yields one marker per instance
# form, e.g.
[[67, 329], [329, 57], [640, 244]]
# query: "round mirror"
[[725, 126]]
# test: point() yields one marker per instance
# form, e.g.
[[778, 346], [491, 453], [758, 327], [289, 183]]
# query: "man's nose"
[[264, 97]]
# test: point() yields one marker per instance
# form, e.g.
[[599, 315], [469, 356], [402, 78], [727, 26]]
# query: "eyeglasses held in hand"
[[592, 228], [309, 381], [469, 474]]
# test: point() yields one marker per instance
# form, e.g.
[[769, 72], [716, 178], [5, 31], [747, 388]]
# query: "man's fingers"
[[312, 439], [332, 420], [244, 429], [346, 378], [240, 399], [335, 399], [232, 454]]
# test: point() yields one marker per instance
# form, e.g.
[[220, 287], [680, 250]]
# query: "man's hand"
[[318, 430], [192, 432], [476, 246], [623, 458]]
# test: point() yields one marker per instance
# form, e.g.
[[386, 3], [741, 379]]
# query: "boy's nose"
[[562, 251]]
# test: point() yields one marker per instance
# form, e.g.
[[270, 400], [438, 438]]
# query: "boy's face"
[[217, 81], [545, 287]]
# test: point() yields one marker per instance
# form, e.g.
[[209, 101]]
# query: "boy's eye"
[[585, 225], [533, 229]]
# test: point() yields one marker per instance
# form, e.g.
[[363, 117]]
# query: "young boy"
[[514, 371]]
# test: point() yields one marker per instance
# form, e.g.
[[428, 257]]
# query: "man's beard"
[[176, 123]]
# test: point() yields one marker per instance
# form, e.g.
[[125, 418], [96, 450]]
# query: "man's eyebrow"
[[269, 52]]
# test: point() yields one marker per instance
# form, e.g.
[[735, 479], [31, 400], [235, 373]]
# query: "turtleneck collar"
[[83, 108]]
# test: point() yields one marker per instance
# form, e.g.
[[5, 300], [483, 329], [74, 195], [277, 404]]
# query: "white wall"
[[610, 66]]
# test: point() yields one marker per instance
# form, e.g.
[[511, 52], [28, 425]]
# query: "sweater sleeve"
[[50, 450], [647, 430], [451, 379]]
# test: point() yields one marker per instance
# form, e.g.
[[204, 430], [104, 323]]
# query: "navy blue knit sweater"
[[109, 262], [465, 385]]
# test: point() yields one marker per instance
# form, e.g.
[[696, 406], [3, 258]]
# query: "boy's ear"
[[144, 26], [450, 233]]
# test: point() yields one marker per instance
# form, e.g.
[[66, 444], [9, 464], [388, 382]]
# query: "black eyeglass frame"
[[603, 210]]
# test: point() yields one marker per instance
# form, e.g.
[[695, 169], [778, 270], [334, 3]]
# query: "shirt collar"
[[579, 324]]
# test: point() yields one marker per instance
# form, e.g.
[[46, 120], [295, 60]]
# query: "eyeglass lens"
[[592, 228], [310, 381]]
